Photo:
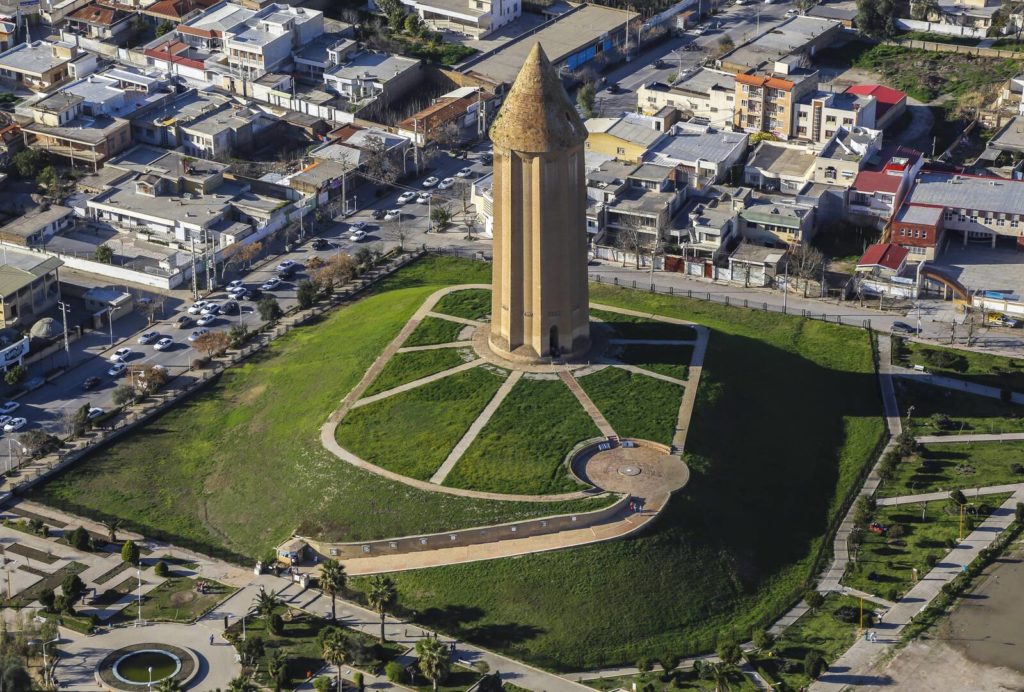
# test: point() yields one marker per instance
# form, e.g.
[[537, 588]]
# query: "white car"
[[94, 413], [357, 236], [235, 285], [117, 370], [424, 198], [120, 354], [237, 291], [464, 172], [393, 215], [284, 266], [164, 344], [406, 197], [271, 283], [9, 407], [197, 307], [446, 183], [198, 333], [430, 182], [4, 420], [358, 226], [15, 424], [206, 320], [148, 337], [211, 309]]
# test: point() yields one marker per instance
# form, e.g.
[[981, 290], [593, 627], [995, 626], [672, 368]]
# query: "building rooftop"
[[224, 119], [101, 14], [166, 164], [781, 159], [380, 67], [980, 193], [192, 210], [844, 11], [30, 223], [35, 58], [705, 80], [776, 211], [560, 37], [1010, 137], [757, 254], [888, 255], [651, 172], [640, 201], [631, 127], [219, 18], [59, 102], [91, 131], [14, 278], [689, 144], [316, 50], [771, 46]]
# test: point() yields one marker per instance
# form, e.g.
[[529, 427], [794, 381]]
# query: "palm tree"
[[337, 652], [168, 685], [265, 603], [333, 580], [276, 663], [720, 676], [242, 684], [434, 660], [112, 525], [381, 596]]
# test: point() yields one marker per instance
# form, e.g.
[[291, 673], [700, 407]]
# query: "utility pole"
[[64, 316], [195, 279], [785, 288]]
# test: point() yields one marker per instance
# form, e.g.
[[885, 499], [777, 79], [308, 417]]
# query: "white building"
[[473, 18]]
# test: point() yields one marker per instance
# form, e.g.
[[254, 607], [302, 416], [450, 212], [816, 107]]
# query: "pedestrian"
[[211, 640]]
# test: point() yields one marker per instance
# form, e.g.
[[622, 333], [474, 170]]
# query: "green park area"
[[239, 467], [406, 367], [917, 536], [434, 330], [471, 304], [983, 368], [625, 326], [786, 422], [412, 433], [957, 465], [668, 360], [523, 446], [177, 599], [947, 412]]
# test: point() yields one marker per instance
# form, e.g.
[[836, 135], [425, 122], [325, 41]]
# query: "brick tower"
[[539, 303]]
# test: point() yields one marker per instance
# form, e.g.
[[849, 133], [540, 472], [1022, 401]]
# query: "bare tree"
[[396, 231], [380, 167], [212, 343], [805, 262], [631, 238], [463, 193], [471, 221], [447, 136], [339, 269]]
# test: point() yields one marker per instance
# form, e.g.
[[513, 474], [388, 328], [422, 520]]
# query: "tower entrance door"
[[553, 341]]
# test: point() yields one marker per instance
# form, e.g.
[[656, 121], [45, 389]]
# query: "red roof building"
[[891, 103], [883, 258], [879, 189]]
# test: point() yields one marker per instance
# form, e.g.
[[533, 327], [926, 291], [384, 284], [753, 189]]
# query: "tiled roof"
[[888, 255]]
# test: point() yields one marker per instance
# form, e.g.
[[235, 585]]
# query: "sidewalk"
[[954, 384]]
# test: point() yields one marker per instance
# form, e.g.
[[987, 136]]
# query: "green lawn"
[[471, 304], [673, 361], [522, 447], [658, 681], [298, 641], [773, 451], [635, 405], [176, 600], [239, 467], [413, 432], [633, 327], [957, 465], [940, 38], [884, 564], [983, 368], [433, 330], [830, 630], [406, 367], [940, 411]]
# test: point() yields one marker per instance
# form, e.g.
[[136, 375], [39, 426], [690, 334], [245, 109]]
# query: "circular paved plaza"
[[646, 470]]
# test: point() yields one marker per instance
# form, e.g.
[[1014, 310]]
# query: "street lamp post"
[[138, 617], [110, 324], [64, 316], [150, 685]]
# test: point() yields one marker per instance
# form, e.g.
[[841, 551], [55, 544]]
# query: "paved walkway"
[[981, 437], [944, 494], [474, 429], [954, 384], [854, 666], [436, 347], [588, 405], [689, 400]]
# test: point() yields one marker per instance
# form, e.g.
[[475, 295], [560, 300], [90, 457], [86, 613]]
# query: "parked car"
[[287, 274], [487, 158], [238, 283], [357, 236], [393, 215], [358, 226], [229, 308], [880, 529], [184, 322], [406, 197], [431, 181], [424, 198], [164, 344], [903, 327], [210, 309], [284, 266], [1004, 321], [446, 183], [252, 294], [198, 333], [95, 412], [197, 307], [90, 383], [464, 172], [148, 337], [120, 355], [4, 420], [117, 369], [206, 320], [320, 244], [271, 283], [378, 214], [15, 424], [660, 64], [237, 293], [9, 407]]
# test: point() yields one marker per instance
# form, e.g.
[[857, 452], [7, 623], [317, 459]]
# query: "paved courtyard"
[[979, 267]]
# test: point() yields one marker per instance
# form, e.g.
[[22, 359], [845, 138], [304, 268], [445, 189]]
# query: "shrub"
[[1017, 468], [277, 624], [130, 552], [160, 569], [15, 375], [730, 652], [644, 665], [395, 672], [947, 360], [46, 599], [763, 639], [897, 531], [930, 560], [357, 679], [1018, 512], [814, 665], [307, 291], [323, 683], [79, 539], [813, 599], [957, 498]]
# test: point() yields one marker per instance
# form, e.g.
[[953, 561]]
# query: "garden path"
[[588, 405], [981, 437], [954, 383], [436, 347], [944, 494]]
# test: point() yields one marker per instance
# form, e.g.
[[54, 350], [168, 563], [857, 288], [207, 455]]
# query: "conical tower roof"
[[537, 115]]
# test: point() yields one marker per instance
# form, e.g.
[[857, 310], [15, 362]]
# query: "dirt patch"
[[935, 665], [251, 395], [182, 598]]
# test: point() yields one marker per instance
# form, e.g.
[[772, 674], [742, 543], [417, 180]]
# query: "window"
[[949, 215], [830, 173], [830, 118], [621, 151], [746, 89], [847, 121], [1000, 222], [1014, 223]]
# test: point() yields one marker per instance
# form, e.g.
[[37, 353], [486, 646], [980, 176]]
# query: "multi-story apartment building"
[[768, 101], [473, 18], [820, 114], [705, 93]]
